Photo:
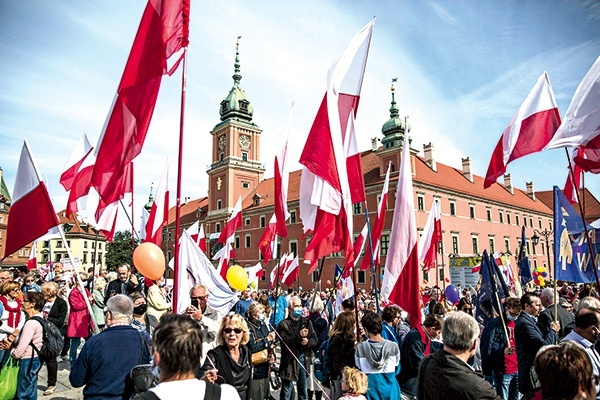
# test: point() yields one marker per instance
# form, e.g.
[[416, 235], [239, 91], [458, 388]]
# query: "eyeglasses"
[[28, 281], [199, 297], [237, 331]]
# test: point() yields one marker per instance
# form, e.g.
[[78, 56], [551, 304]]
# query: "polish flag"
[[268, 241], [401, 278], [161, 37], [80, 186], [233, 223], [196, 232], [327, 192], [78, 155], [292, 271], [225, 255], [31, 212], [159, 211], [108, 208], [432, 236], [530, 129], [573, 183], [281, 179], [378, 225], [359, 245], [278, 271], [32, 262], [581, 126], [255, 271]]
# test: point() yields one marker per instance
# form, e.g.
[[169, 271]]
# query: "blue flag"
[[572, 259], [523, 260], [492, 283]]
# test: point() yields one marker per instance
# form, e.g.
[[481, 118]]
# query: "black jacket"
[[340, 354], [444, 376], [289, 330], [58, 313], [118, 287], [547, 316], [259, 341]]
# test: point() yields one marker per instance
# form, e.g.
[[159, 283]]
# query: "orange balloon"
[[149, 259]]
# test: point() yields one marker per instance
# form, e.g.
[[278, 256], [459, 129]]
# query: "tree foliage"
[[119, 250]]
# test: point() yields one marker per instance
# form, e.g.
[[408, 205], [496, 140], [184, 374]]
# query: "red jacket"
[[79, 316]]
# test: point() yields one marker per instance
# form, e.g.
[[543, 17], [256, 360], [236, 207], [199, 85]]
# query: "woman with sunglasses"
[[29, 284], [230, 361], [12, 319]]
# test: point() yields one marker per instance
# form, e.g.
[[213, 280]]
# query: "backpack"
[[321, 367], [52, 342]]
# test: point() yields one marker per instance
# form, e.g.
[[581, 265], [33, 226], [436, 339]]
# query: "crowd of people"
[[304, 344]]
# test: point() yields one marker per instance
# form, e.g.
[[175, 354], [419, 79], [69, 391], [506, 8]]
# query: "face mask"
[[141, 309], [298, 312], [261, 317], [510, 317]]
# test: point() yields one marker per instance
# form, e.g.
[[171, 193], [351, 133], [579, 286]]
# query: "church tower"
[[236, 168]]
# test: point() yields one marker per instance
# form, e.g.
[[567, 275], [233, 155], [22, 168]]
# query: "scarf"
[[14, 313]]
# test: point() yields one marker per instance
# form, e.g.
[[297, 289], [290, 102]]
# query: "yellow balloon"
[[149, 259], [542, 282], [237, 277], [541, 269]]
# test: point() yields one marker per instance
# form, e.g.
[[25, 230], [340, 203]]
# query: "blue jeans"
[[507, 386], [287, 387], [27, 378], [75, 342]]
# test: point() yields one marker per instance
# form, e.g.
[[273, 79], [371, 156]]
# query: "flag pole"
[[587, 235], [129, 218], [312, 303], [373, 272], [276, 297], [132, 218], [179, 168]]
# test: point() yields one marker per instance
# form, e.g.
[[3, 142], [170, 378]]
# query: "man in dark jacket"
[[529, 339], [299, 338], [446, 374], [126, 284], [547, 316]]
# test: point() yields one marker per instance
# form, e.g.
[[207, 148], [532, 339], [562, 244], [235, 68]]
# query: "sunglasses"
[[237, 331], [28, 281], [199, 297]]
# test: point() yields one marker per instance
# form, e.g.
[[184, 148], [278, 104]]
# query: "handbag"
[[260, 357], [8, 379]]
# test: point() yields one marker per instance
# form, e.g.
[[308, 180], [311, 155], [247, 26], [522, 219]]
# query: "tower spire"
[[237, 77]]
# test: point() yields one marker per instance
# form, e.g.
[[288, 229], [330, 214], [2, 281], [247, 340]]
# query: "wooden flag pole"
[[373, 271]]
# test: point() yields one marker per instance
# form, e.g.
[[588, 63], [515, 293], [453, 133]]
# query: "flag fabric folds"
[[492, 284], [432, 236], [196, 232], [523, 261], [163, 32], [572, 261], [292, 270], [159, 212], [401, 278], [281, 179], [529, 130], [268, 240], [378, 226], [233, 223], [31, 212], [32, 262], [573, 183], [581, 125], [326, 193], [78, 155], [195, 268]]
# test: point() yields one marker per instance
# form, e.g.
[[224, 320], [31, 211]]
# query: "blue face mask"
[[261, 317], [297, 312]]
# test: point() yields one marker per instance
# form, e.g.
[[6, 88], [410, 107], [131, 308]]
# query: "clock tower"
[[236, 168]]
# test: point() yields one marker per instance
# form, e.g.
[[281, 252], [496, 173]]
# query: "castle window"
[[245, 185], [421, 203], [452, 208], [219, 204], [244, 156], [221, 156]]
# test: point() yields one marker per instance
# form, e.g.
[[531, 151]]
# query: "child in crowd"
[[354, 384]]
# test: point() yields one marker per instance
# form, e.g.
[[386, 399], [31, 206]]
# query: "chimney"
[[374, 144], [530, 191], [508, 183], [428, 151], [466, 166]]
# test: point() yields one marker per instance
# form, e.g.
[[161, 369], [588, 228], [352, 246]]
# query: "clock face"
[[222, 140], [244, 141]]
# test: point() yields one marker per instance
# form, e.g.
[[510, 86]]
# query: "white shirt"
[[177, 390]]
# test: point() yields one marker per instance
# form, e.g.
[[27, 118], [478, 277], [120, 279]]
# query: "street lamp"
[[535, 239]]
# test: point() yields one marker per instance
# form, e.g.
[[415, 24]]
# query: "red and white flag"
[[377, 230], [573, 183], [581, 126], [162, 33], [160, 210], [145, 215], [401, 278], [233, 223], [529, 130], [432, 236], [78, 155], [359, 245], [255, 271], [224, 255], [278, 271], [31, 212], [32, 262], [292, 270], [326, 192], [281, 179], [268, 241], [196, 232]]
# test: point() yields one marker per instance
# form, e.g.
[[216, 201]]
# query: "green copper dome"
[[393, 129], [235, 105], [148, 205]]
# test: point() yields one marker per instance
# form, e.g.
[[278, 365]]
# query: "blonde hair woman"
[[98, 305], [230, 362]]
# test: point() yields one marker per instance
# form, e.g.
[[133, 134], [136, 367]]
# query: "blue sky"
[[463, 69]]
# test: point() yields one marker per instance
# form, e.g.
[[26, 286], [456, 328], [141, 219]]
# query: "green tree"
[[119, 250]]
